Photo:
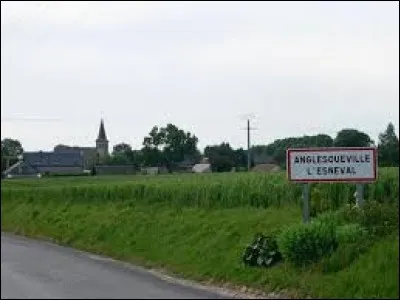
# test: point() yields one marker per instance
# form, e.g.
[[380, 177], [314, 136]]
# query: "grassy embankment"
[[198, 226]]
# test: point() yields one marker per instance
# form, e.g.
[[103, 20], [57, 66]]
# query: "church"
[[63, 159]]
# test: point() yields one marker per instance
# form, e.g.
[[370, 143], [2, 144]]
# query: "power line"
[[30, 119]]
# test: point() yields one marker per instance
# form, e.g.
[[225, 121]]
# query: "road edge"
[[226, 290]]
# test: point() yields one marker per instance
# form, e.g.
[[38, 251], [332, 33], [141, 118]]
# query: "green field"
[[197, 226]]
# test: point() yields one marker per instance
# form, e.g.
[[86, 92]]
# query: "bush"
[[318, 203], [332, 217], [350, 233], [353, 240], [344, 255], [302, 244], [262, 252], [379, 219]]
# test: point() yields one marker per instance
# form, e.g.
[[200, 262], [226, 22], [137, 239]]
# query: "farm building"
[[266, 168], [62, 160], [34, 163], [154, 170], [201, 168]]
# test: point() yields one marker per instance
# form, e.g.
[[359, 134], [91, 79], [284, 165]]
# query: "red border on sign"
[[333, 149]]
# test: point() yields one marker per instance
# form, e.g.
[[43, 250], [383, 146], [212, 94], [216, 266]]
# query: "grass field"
[[197, 226], [225, 190]]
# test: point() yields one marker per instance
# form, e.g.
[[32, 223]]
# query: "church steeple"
[[102, 132], [102, 143]]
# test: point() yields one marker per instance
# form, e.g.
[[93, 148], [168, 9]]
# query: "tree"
[[222, 157], [152, 156], [121, 155], [321, 140], [388, 147], [122, 148], [352, 138], [178, 144], [168, 146], [276, 151], [10, 149], [118, 158], [136, 157], [151, 153], [155, 138], [240, 160]]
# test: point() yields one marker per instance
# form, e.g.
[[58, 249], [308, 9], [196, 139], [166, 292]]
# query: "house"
[[201, 168], [262, 158], [34, 163], [20, 169], [266, 168], [186, 165], [63, 160], [154, 170], [89, 154]]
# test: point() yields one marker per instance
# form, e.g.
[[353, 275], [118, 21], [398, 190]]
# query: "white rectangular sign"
[[332, 164]]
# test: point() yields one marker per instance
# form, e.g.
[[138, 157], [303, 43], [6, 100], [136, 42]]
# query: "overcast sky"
[[299, 68]]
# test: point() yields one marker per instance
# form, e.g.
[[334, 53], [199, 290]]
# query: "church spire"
[[102, 132]]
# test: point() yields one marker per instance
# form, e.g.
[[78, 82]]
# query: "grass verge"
[[201, 244]]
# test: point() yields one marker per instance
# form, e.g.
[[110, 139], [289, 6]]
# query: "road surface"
[[36, 269]]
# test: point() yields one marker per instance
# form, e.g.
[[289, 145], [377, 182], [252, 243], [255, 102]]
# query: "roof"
[[53, 159], [20, 166], [102, 132], [201, 168], [262, 158], [64, 148], [266, 168]]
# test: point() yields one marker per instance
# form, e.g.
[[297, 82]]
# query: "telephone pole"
[[248, 129], [248, 146]]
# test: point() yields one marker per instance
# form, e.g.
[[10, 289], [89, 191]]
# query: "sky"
[[297, 68]]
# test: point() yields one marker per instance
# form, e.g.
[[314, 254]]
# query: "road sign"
[[332, 165]]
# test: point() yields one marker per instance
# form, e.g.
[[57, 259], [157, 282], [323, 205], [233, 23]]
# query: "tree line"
[[171, 147]]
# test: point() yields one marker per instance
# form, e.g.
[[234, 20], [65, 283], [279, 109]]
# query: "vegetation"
[[228, 190], [263, 252], [378, 220], [168, 146], [223, 157], [350, 233], [10, 149], [199, 226], [352, 138], [171, 146], [388, 147], [302, 244], [276, 152]]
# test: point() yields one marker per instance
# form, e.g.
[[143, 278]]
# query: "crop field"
[[197, 226], [227, 190]]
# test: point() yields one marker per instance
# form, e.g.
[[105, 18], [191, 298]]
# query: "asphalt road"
[[36, 269]]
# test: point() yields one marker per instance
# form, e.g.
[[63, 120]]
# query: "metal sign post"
[[306, 202], [360, 195]]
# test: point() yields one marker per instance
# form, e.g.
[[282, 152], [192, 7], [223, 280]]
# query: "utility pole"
[[248, 129], [248, 146]]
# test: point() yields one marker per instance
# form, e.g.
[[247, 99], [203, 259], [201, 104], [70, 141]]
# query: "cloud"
[[299, 67]]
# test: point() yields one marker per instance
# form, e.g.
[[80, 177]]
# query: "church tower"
[[102, 143]]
